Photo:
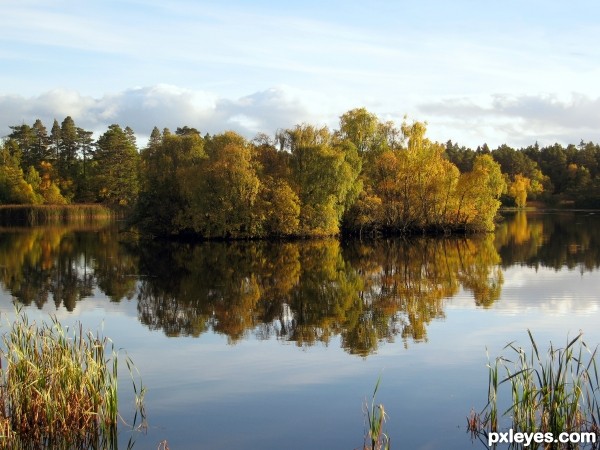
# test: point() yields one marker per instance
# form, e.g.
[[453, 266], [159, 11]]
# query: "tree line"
[[367, 177], [553, 174], [68, 166]]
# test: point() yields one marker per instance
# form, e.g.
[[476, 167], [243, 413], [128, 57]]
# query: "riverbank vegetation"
[[34, 215], [58, 387], [555, 392], [367, 177]]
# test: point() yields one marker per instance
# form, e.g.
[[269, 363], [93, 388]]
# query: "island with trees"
[[368, 177]]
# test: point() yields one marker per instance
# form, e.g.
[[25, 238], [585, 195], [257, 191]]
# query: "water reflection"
[[64, 265], [559, 239], [306, 292]]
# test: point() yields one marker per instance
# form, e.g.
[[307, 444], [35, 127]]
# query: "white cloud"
[[163, 106], [517, 120]]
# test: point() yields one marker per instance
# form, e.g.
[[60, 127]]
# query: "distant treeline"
[[368, 176]]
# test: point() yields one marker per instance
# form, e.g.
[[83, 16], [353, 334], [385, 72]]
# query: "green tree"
[[41, 145], [361, 127], [32, 141], [221, 191], [23, 137], [55, 141], [116, 168], [86, 151], [161, 199], [461, 157], [68, 149], [326, 180], [155, 138], [553, 162]]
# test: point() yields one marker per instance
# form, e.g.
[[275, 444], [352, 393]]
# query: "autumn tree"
[[407, 189], [518, 189], [360, 127], [478, 193], [303, 135], [221, 191], [13, 186]]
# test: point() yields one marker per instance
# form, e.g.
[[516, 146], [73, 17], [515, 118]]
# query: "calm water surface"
[[277, 345]]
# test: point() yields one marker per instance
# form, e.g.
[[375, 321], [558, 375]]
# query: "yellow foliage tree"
[[518, 189]]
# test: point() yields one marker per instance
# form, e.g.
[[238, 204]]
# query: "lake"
[[270, 345]]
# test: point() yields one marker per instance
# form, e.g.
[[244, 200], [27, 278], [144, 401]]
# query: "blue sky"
[[511, 72]]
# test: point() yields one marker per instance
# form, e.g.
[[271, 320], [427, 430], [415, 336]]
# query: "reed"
[[35, 215], [375, 437], [554, 392], [59, 387]]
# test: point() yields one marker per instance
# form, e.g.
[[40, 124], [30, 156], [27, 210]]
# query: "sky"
[[510, 72]]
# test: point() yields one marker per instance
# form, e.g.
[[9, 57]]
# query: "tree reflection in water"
[[64, 265], [307, 292], [312, 291]]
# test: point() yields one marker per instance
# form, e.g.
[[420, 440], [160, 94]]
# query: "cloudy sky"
[[515, 72]]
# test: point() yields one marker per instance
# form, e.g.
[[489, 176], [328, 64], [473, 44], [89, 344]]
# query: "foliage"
[[221, 192], [161, 201], [281, 208], [417, 189], [116, 169], [519, 188], [13, 186], [324, 178], [368, 177], [478, 192]]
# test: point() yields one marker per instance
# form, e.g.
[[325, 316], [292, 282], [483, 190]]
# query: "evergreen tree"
[[116, 168]]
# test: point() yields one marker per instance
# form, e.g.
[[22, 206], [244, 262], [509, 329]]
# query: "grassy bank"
[[58, 387], [34, 215]]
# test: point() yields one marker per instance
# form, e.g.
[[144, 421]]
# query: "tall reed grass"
[[34, 215], [555, 392], [59, 387], [375, 415]]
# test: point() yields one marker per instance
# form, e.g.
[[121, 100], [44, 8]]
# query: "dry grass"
[[34, 215], [58, 387]]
